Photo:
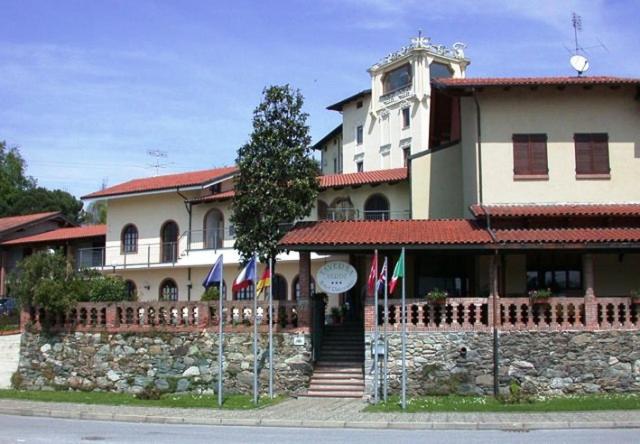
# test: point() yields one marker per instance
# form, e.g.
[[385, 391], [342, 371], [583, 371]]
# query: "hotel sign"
[[336, 277]]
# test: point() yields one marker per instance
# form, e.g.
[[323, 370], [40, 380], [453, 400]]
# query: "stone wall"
[[542, 363], [175, 362]]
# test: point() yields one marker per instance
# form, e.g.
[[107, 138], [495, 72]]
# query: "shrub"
[[150, 392], [211, 294], [17, 380], [436, 295], [106, 289]]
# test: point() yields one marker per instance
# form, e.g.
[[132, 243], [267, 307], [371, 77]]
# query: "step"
[[336, 388], [337, 366], [337, 382], [334, 394]]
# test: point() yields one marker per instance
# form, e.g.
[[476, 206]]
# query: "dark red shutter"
[[583, 153], [600, 153], [538, 154], [520, 154]]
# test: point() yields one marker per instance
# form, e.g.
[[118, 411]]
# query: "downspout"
[[188, 207], [494, 286]]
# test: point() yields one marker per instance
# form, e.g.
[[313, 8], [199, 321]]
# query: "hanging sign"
[[336, 277]]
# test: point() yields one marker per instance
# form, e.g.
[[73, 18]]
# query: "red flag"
[[373, 275]]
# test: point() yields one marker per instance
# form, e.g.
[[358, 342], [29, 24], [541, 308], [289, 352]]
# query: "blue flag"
[[215, 274]]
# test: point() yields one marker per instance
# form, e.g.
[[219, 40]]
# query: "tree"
[[19, 193], [277, 182]]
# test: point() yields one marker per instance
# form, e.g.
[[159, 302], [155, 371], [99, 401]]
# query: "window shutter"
[[583, 153], [538, 154], [600, 153], [520, 154]]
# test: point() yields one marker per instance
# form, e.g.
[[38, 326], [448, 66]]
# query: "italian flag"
[[398, 272]]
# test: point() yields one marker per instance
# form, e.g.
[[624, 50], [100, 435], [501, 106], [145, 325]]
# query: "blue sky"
[[87, 87]]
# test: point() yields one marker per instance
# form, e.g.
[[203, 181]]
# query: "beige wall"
[[559, 114], [397, 194], [616, 275]]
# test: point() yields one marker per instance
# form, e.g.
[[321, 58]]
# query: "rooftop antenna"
[[578, 61], [157, 154]]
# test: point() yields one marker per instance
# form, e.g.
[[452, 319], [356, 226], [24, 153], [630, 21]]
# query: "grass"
[[9, 322], [452, 403], [231, 402]]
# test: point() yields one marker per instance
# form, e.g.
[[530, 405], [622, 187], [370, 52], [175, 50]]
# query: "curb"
[[332, 424]]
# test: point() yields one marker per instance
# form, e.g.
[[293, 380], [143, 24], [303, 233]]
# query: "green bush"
[[106, 289], [211, 294]]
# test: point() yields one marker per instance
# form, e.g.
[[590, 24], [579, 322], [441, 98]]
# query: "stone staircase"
[[9, 357], [338, 372]]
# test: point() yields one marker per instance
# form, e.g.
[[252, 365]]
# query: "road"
[[18, 429]]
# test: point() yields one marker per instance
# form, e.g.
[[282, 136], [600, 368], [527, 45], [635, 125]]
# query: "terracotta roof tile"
[[8, 223], [169, 181], [557, 210], [363, 178], [393, 232], [535, 81], [215, 197], [61, 234], [569, 235]]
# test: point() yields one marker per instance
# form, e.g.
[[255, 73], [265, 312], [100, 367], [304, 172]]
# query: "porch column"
[[494, 297], [304, 279], [590, 304]]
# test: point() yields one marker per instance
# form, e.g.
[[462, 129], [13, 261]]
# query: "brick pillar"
[[112, 317], [204, 315], [304, 278], [590, 303]]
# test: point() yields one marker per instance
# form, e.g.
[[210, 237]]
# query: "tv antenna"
[[578, 61], [157, 155]]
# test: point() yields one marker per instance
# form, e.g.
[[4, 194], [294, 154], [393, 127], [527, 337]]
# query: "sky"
[[87, 88]]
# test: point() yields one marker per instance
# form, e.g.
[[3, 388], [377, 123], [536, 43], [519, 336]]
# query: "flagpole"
[[255, 337], [375, 332], [404, 335], [220, 332], [270, 328], [384, 327]]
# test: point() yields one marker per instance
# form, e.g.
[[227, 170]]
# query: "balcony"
[[354, 214]]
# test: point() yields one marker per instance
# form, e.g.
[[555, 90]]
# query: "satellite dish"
[[579, 63]]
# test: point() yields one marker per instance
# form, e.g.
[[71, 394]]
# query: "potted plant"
[[540, 295], [635, 296], [437, 296], [336, 314]]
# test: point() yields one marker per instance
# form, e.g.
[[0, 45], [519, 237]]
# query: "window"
[[530, 155], [213, 229], [169, 242], [359, 135], [335, 165], [376, 208], [359, 104], [129, 239], [396, 79], [168, 290], [406, 151], [279, 288], [360, 166], [296, 288], [244, 294], [341, 209], [132, 290], [406, 117], [592, 153], [439, 70], [558, 272]]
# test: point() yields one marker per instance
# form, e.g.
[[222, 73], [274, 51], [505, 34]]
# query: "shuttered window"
[[530, 154], [592, 153]]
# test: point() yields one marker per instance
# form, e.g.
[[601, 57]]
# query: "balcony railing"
[[354, 214], [146, 254]]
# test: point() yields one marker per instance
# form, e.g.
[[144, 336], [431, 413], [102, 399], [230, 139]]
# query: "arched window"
[[279, 288], [376, 208], [213, 229], [168, 290], [322, 209], [341, 209], [169, 242], [129, 239], [244, 294], [132, 290], [296, 288], [396, 79]]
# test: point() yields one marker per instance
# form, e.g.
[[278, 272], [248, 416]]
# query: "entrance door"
[[169, 242]]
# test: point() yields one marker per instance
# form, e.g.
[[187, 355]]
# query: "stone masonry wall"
[[176, 362], [542, 363]]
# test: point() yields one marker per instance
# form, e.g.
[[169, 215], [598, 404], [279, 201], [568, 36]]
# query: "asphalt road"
[[18, 429]]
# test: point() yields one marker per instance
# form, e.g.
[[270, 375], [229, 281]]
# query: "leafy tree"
[[277, 182]]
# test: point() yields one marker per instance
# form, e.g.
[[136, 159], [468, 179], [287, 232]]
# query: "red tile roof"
[[557, 210], [215, 197], [392, 232], [193, 178], [536, 81], [569, 235], [8, 223], [364, 178], [61, 234]]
